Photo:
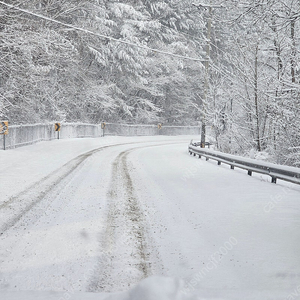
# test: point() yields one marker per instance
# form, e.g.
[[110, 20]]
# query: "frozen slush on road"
[[122, 218]]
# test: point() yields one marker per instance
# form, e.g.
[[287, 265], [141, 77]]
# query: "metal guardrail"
[[290, 174]]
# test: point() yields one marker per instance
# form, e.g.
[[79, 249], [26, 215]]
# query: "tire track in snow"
[[125, 257], [17, 206], [137, 218]]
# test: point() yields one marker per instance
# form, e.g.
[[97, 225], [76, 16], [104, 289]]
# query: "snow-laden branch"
[[100, 35]]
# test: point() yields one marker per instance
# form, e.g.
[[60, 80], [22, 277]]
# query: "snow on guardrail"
[[286, 173]]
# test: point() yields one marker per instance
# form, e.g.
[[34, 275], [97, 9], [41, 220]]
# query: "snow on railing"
[[22, 135], [286, 173], [137, 129]]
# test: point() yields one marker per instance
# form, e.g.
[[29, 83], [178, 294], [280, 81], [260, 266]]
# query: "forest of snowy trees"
[[231, 64]]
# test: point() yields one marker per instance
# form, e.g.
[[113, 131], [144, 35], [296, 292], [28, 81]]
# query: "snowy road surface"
[[92, 218]]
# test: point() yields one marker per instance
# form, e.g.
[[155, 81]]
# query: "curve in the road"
[[17, 206]]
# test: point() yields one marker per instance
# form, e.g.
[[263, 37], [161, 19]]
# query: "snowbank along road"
[[108, 213]]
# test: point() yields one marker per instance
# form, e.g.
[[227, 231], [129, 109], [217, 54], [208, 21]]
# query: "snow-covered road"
[[100, 215]]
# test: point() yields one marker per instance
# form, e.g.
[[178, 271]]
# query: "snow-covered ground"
[[120, 218]]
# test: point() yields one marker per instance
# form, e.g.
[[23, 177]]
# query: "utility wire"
[[100, 35]]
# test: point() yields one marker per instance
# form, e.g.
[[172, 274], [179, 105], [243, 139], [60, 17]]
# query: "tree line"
[[235, 65]]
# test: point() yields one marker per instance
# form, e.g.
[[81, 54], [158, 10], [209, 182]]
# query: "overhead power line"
[[100, 35]]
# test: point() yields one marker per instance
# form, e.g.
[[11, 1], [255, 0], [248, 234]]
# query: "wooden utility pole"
[[206, 85], [256, 97]]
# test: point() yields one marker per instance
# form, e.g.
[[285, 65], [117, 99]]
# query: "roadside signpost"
[[103, 125], [4, 131], [159, 126], [57, 128]]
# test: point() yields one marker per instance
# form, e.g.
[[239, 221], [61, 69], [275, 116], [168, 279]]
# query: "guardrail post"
[[249, 173], [219, 163], [207, 159], [232, 167], [274, 179]]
